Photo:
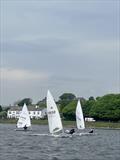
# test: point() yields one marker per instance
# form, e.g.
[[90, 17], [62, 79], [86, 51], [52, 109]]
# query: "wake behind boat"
[[62, 135]]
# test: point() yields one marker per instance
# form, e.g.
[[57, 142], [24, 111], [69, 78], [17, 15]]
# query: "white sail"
[[24, 118], [79, 116], [54, 120]]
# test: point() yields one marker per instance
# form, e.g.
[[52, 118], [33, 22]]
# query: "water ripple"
[[21, 146]]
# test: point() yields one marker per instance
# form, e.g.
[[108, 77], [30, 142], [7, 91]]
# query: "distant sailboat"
[[24, 119], [79, 117], [80, 120], [54, 120]]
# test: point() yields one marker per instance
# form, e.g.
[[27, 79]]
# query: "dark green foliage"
[[6, 109], [106, 108], [91, 98], [87, 107], [42, 103], [97, 98], [27, 101], [65, 99], [67, 96], [0, 108], [3, 115], [69, 110], [3, 112]]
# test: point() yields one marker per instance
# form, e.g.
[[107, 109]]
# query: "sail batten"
[[54, 120]]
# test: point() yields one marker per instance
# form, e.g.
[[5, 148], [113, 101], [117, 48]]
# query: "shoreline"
[[69, 124]]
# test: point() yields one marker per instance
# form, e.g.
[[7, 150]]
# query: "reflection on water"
[[20, 145]]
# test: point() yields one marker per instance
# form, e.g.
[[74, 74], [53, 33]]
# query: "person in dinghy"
[[25, 128], [72, 131], [91, 131]]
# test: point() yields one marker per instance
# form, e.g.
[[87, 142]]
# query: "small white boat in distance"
[[24, 120], [54, 120], [79, 117], [80, 120]]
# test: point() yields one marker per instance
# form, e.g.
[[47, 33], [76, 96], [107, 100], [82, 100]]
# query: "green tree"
[[65, 99], [69, 110], [87, 106], [27, 101], [42, 103], [91, 98], [67, 96], [106, 108], [3, 115]]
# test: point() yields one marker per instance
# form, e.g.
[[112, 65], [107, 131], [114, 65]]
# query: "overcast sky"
[[61, 45]]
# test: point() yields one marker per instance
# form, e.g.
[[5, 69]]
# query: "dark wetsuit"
[[25, 127], [72, 131], [91, 131]]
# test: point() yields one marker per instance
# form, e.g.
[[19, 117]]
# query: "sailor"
[[25, 127], [72, 131], [91, 131]]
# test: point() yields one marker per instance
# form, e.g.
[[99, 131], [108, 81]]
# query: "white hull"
[[21, 129]]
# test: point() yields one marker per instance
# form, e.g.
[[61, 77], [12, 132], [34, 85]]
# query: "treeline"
[[105, 108], [3, 112]]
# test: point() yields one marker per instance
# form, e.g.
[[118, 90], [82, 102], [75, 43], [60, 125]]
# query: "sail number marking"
[[51, 112]]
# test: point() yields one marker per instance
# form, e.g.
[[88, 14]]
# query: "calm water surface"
[[18, 145]]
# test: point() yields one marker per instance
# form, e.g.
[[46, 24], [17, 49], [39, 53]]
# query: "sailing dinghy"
[[79, 117], [24, 120], [54, 120], [80, 120]]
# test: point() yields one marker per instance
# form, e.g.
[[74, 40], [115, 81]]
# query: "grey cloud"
[[76, 43]]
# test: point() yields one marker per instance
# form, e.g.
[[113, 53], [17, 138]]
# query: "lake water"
[[20, 145]]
